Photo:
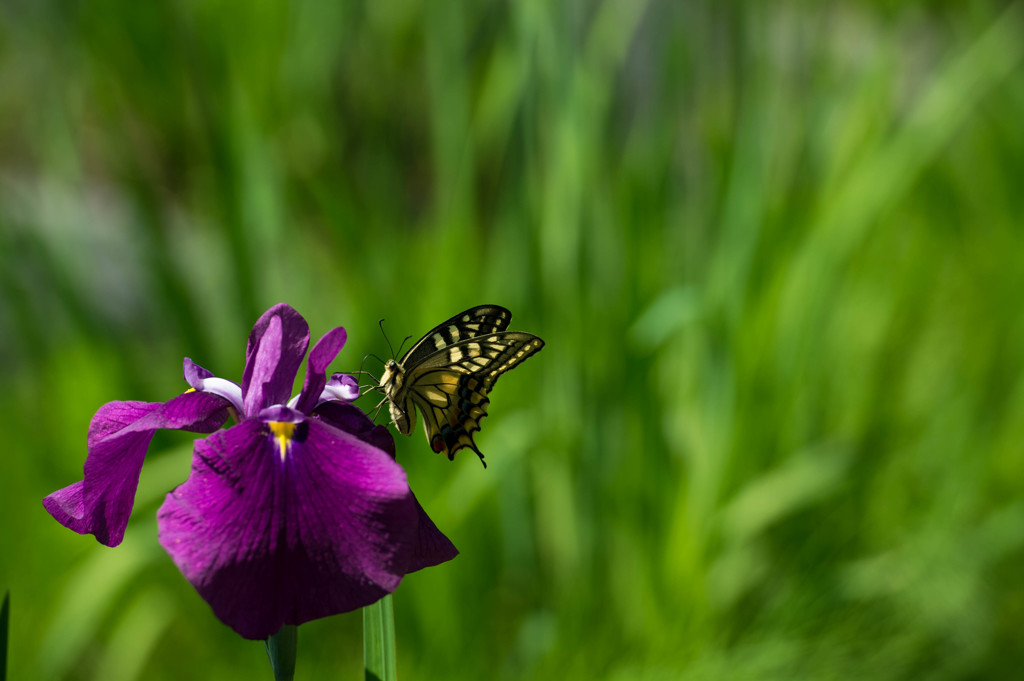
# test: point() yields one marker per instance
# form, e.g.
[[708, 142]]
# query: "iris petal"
[[351, 419], [430, 545], [277, 345], [269, 542], [320, 357], [340, 387], [229, 390], [195, 374], [119, 435]]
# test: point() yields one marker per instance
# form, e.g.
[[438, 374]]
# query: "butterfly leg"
[[376, 410]]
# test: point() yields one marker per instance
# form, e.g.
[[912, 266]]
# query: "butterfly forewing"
[[490, 355], [449, 372], [477, 321]]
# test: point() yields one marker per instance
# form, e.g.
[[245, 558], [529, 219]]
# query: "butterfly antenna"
[[375, 357], [403, 343], [380, 323], [363, 363]]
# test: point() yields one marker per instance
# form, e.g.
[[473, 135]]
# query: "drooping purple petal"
[[320, 357], [430, 545], [115, 416], [277, 345], [270, 540], [119, 435]]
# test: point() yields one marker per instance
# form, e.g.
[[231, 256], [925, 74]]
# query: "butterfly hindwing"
[[449, 372], [451, 420], [451, 386]]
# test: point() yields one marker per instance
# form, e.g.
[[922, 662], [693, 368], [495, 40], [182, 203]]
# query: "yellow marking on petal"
[[190, 390], [283, 434]]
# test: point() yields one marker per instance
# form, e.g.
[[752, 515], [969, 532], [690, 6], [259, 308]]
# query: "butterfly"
[[448, 373]]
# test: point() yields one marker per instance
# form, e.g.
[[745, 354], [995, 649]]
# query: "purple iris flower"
[[297, 511]]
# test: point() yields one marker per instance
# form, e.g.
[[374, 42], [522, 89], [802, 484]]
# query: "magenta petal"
[[270, 541], [351, 419], [430, 546], [277, 345], [119, 435], [115, 416], [67, 506], [320, 357]]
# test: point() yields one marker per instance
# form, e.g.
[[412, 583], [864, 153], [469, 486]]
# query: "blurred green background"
[[775, 249]]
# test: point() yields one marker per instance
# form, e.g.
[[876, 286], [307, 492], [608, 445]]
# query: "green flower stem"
[[5, 614], [379, 641], [281, 651]]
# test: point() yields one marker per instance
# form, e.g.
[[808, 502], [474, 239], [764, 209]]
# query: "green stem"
[[5, 614], [379, 641], [281, 651]]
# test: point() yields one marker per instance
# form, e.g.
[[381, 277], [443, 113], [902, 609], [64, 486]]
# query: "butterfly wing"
[[481, 320], [450, 385]]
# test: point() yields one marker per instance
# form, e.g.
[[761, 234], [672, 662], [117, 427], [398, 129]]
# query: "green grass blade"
[[379, 641]]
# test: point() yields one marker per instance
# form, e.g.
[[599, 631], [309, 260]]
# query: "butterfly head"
[[392, 377]]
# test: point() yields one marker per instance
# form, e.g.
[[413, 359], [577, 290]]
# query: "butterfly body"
[[449, 372]]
